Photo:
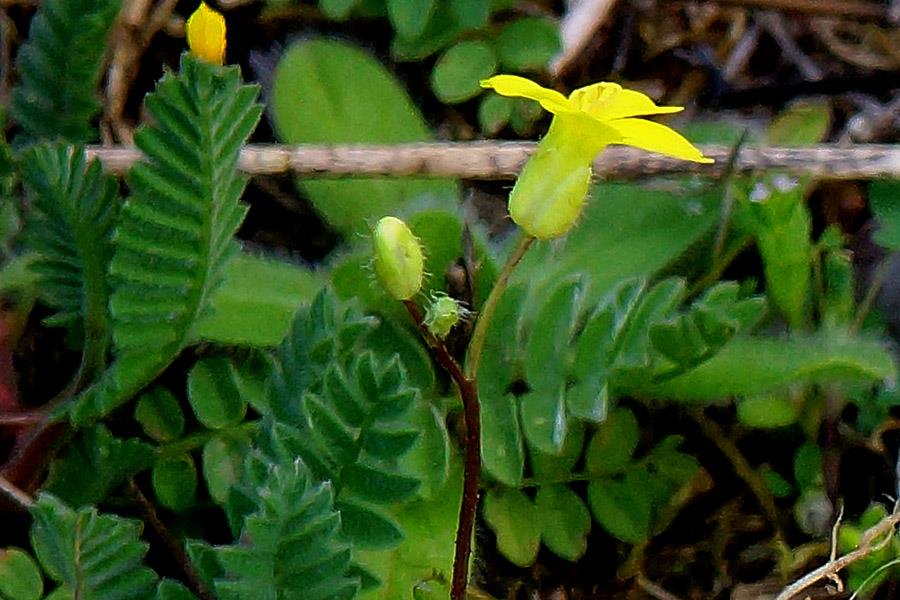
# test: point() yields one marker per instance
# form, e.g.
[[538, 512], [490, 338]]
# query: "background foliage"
[[259, 420]]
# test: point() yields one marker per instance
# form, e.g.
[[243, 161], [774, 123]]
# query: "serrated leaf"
[[160, 414], [457, 73], [290, 545], [528, 44], [214, 394], [175, 482], [174, 234], [369, 529], [313, 101], [95, 556], [60, 67], [565, 520], [111, 461], [74, 206], [615, 441], [427, 549], [20, 578], [512, 516]]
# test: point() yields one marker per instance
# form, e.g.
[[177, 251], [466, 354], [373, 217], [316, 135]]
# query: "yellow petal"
[[605, 101], [206, 34], [513, 85], [654, 137]]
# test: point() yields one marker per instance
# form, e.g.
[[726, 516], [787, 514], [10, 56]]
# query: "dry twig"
[[873, 540], [583, 19], [503, 160]]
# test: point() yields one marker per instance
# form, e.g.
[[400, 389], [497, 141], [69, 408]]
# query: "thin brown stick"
[[503, 160], [148, 511], [21, 498], [472, 472], [873, 540], [842, 8]]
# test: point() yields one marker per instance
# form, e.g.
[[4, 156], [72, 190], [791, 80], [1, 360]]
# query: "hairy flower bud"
[[399, 264], [443, 314], [205, 31]]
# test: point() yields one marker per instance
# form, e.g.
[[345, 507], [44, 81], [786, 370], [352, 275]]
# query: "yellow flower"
[[551, 190], [206, 34]]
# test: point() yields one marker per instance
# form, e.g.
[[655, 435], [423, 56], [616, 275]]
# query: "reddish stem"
[[472, 472]]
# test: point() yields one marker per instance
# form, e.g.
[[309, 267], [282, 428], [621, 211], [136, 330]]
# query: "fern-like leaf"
[[352, 430], [290, 545], [93, 556], [176, 231], [60, 66], [74, 207]]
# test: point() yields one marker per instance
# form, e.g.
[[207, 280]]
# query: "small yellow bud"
[[206, 34], [399, 264]]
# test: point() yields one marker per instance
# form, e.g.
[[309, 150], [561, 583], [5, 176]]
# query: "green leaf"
[[808, 466], [313, 101], [626, 231], [749, 366], [512, 516], [20, 578], [774, 212], [528, 44], [174, 234], [457, 73], [767, 411], [95, 556], [337, 9], [160, 414], [169, 589], [502, 448], [214, 394], [802, 123], [623, 508], [611, 447], [223, 459], [471, 14], [369, 528], [109, 460], [549, 467], [256, 301], [60, 67], [175, 482], [409, 17], [442, 29], [427, 549], [884, 200], [565, 520], [74, 206], [494, 112], [290, 546]]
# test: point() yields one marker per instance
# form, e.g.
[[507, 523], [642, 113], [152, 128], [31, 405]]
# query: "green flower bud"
[[443, 314], [399, 264], [552, 188]]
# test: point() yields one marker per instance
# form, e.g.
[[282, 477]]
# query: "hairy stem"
[[468, 392], [476, 344], [148, 511]]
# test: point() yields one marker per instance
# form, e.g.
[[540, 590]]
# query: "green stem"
[[476, 344]]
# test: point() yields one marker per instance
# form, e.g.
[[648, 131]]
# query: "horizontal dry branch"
[[503, 160]]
